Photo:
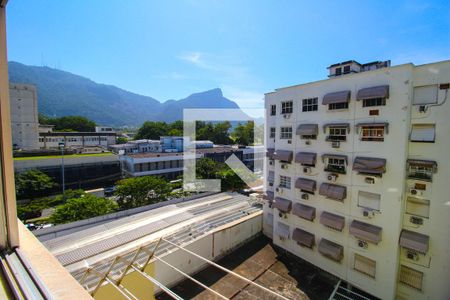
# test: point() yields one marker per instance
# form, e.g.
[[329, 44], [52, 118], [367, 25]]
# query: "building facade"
[[24, 116], [356, 176], [53, 140]]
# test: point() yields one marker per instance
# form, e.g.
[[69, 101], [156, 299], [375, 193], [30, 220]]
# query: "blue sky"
[[170, 49]]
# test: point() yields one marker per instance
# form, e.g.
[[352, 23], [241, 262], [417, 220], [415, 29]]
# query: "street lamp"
[[61, 145]]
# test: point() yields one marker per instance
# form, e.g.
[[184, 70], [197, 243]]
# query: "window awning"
[[271, 176], [306, 158], [307, 129], [333, 191], [336, 97], [336, 125], [270, 152], [414, 241], [422, 163], [268, 195], [373, 124], [336, 156], [332, 220], [303, 238], [366, 232], [381, 91], [283, 155], [331, 250], [283, 205], [370, 165], [307, 185], [304, 211], [283, 230]]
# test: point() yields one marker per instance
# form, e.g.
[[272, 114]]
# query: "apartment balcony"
[[335, 169], [421, 176]]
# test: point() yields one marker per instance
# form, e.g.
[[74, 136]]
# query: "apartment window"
[[272, 132], [309, 104], [420, 172], [336, 106], [338, 71], [427, 94], [337, 134], [287, 107], [364, 265], [411, 277], [286, 133], [336, 165], [285, 182], [372, 133], [346, 69], [418, 207], [423, 133], [374, 102], [273, 110], [369, 201]]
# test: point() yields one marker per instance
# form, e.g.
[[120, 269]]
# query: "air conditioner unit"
[[335, 144], [416, 192], [289, 141], [412, 255], [416, 220], [362, 244], [270, 183], [282, 215], [284, 166], [368, 213], [369, 180], [286, 116], [332, 177], [307, 170], [307, 142], [305, 196], [279, 190], [422, 108]]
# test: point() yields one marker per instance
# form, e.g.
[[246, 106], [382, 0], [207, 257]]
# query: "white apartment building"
[[357, 176], [24, 116]]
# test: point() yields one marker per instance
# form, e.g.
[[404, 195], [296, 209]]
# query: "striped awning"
[[304, 211], [307, 185], [336, 97], [422, 163], [331, 250], [381, 91], [414, 241], [306, 158], [333, 191], [303, 238], [366, 232], [370, 165], [307, 129], [333, 221], [283, 155], [282, 204]]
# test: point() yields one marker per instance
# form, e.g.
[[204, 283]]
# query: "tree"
[[139, 191], [221, 133], [69, 123], [121, 140], [84, 207], [229, 180], [244, 134], [152, 130], [206, 168], [32, 184]]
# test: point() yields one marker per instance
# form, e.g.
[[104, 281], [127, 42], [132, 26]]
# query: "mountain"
[[62, 93]]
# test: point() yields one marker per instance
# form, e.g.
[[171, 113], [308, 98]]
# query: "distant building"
[[104, 129], [52, 140], [170, 164], [24, 116], [137, 146]]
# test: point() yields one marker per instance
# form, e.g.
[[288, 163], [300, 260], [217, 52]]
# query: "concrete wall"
[[212, 246]]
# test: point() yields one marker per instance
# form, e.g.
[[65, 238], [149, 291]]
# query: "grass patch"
[[65, 156]]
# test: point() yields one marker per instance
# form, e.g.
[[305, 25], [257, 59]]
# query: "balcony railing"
[[335, 169]]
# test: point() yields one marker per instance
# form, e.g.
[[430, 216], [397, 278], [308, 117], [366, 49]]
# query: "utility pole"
[[61, 145]]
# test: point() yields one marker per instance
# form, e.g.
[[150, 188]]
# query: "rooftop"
[[220, 149]]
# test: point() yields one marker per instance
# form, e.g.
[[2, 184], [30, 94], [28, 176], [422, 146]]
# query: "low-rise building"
[[53, 140]]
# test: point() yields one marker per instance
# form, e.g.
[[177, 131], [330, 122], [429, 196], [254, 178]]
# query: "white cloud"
[[244, 98]]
